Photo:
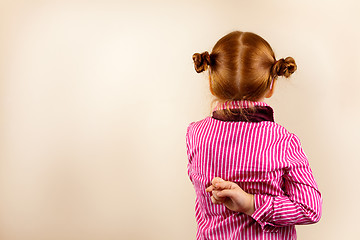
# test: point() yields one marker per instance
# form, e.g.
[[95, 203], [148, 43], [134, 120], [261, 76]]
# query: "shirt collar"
[[259, 112], [239, 104]]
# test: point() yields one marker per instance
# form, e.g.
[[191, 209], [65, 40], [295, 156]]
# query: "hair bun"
[[284, 67], [201, 61]]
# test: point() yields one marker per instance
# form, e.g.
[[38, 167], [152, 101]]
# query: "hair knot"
[[201, 61], [284, 67]]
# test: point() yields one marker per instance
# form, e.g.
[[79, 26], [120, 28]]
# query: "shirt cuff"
[[263, 212]]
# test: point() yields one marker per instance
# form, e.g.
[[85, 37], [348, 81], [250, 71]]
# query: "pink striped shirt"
[[265, 160]]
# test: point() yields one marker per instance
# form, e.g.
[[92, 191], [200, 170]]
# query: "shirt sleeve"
[[188, 149], [301, 202]]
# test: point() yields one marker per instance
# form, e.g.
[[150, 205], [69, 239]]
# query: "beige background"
[[96, 97]]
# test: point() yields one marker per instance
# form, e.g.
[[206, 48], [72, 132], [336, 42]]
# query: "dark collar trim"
[[255, 114]]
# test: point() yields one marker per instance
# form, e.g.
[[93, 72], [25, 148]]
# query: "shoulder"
[[276, 129], [277, 133], [198, 124], [289, 143], [295, 153], [292, 138]]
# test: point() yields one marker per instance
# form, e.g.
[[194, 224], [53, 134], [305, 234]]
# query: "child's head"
[[242, 66]]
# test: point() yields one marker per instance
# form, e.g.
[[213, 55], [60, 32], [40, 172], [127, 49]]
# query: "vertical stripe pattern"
[[264, 159]]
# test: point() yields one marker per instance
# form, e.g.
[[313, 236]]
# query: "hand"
[[231, 195]]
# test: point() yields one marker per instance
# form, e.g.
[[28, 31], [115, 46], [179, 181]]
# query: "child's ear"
[[270, 92]]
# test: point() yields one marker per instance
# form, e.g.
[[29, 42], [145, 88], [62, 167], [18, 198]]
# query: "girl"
[[251, 177]]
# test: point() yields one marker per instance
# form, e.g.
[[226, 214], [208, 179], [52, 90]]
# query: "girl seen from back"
[[251, 176]]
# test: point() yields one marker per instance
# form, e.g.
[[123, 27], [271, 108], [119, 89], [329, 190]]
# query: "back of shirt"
[[251, 154]]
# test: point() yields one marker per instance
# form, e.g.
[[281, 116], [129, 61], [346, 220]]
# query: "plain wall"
[[95, 98]]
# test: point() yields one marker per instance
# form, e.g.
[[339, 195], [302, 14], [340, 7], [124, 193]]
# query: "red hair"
[[242, 66]]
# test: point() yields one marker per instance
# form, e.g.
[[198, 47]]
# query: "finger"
[[224, 194], [216, 180], [213, 200], [210, 188], [225, 185], [229, 193], [215, 194]]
